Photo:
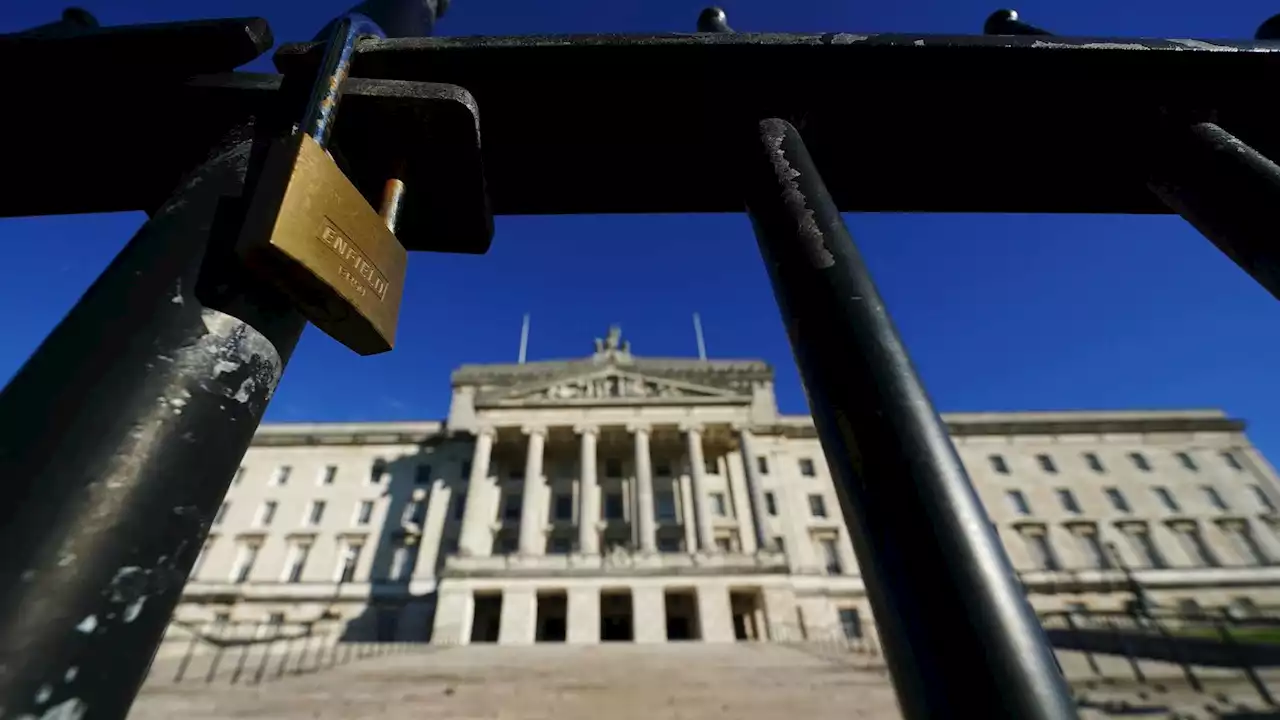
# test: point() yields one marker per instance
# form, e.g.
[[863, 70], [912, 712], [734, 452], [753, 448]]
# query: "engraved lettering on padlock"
[[354, 259], [310, 229]]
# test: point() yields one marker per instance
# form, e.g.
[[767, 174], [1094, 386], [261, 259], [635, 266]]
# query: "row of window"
[[1138, 534], [313, 516], [1094, 463], [248, 551], [1066, 498], [422, 475]]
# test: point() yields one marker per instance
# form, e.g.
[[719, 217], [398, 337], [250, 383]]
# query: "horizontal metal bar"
[[425, 134], [958, 633], [915, 123]]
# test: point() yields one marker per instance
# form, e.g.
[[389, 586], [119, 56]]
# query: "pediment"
[[610, 385]]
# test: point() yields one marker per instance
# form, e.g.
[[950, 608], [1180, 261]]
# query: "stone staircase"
[[695, 681], [549, 682]]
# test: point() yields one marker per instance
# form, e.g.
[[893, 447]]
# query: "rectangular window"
[[465, 470], [612, 468], [245, 559], [998, 464], [1068, 501], [670, 543], [1230, 459], [711, 465], [460, 505], [364, 512], [1117, 499], [507, 543], [664, 506], [422, 475], [316, 513], [762, 464], [1264, 500], [1018, 502], [328, 474], [662, 468], [275, 619], [1140, 461], [1187, 462], [449, 545], [1143, 546], [718, 505], [779, 544], [512, 506], [614, 507], [415, 512], [266, 513], [221, 515], [1046, 464], [724, 544], [298, 554], [1215, 499], [1166, 499], [377, 472], [1094, 462], [817, 506], [771, 504], [1039, 548], [516, 473], [348, 559], [1091, 548], [807, 468], [562, 507], [281, 475], [1194, 545], [851, 623], [1246, 545], [830, 555]]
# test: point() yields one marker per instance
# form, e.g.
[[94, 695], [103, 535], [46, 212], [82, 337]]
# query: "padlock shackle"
[[322, 106]]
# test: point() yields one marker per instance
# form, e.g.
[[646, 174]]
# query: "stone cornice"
[[512, 373], [1081, 422]]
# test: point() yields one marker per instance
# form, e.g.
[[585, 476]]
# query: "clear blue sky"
[[999, 312]]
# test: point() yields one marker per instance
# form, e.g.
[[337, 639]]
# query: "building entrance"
[[488, 618], [748, 615], [615, 616], [553, 614], [682, 615]]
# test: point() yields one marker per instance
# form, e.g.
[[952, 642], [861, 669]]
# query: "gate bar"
[[122, 433], [958, 634], [1216, 182]]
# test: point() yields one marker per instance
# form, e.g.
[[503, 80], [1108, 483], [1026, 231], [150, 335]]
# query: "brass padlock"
[[310, 231]]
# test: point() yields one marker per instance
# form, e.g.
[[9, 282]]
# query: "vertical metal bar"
[[933, 565], [284, 660], [322, 108], [1250, 671], [186, 659], [244, 656], [122, 433], [1226, 189], [266, 657]]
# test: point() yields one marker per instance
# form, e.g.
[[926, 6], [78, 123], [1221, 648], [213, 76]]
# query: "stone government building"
[[624, 498]]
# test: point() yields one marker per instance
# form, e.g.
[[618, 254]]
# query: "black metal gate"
[[120, 435]]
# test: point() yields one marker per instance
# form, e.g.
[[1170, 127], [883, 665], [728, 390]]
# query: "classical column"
[[698, 473], [532, 508], [644, 490], [477, 537], [755, 488], [588, 492]]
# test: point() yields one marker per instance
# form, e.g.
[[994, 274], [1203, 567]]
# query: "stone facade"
[[619, 497]]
